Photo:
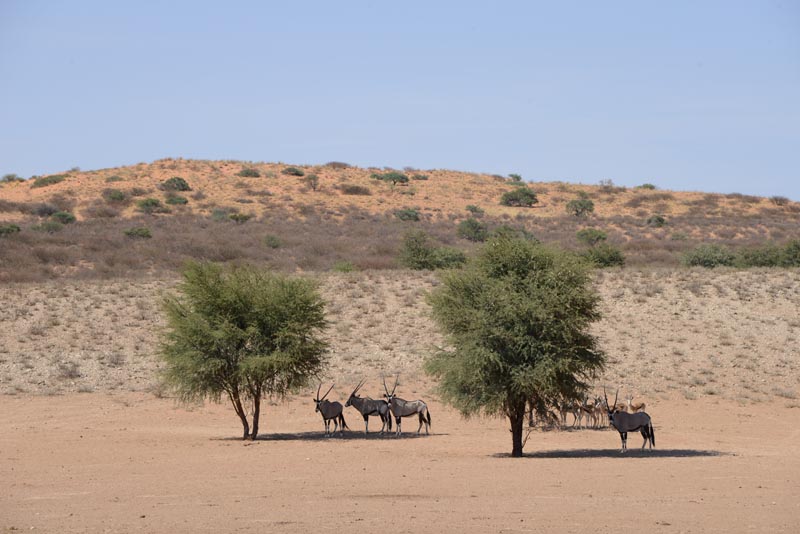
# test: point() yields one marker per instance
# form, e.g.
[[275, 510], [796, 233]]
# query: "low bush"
[[64, 217], [114, 178], [337, 165], [505, 231], [176, 200], [476, 211], [779, 200], [352, 189], [790, 256], [472, 230], [176, 183], [419, 253], [419, 177], [520, 197], [769, 255], [580, 207], [709, 256], [272, 241], [115, 196], [591, 236], [293, 171], [605, 255], [656, 221], [44, 209], [240, 218], [651, 187], [343, 267], [49, 227], [10, 178], [407, 214], [151, 205], [248, 172], [312, 181], [8, 229], [448, 258], [139, 232], [44, 181], [392, 176]]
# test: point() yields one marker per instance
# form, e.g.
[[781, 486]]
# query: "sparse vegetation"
[[293, 171], [476, 211], [151, 205], [139, 232], [656, 221], [48, 227], [421, 177], [709, 256], [44, 181], [353, 189], [407, 214], [418, 252], [521, 197], [272, 241], [240, 218], [248, 172], [392, 177], [7, 229], [11, 178], [580, 207], [115, 196], [64, 217], [472, 230], [176, 200], [591, 236], [605, 255], [176, 183], [312, 181]]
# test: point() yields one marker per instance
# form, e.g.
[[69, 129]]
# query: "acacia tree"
[[242, 333], [517, 318]]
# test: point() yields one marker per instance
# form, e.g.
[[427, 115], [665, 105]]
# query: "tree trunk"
[[256, 414], [516, 415], [239, 409]]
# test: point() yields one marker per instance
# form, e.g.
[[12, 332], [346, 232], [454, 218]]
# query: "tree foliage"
[[242, 334], [580, 207], [517, 318], [520, 197]]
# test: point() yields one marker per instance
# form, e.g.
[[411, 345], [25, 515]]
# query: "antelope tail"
[[652, 435], [428, 413], [389, 417], [342, 423]]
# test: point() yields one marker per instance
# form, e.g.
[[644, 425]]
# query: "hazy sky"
[[689, 95]]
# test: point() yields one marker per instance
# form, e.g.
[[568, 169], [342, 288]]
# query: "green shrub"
[[114, 178], [419, 177], [605, 255], [272, 241], [656, 221], [417, 252], [177, 200], [515, 177], [476, 211], [352, 189], [779, 200], [790, 256], [679, 236], [591, 236], [472, 230], [407, 214], [49, 227], [64, 217], [151, 205], [240, 218], [344, 267], [505, 231], [393, 177], [248, 172], [709, 256], [137, 192], [312, 181], [293, 171], [580, 207], [139, 232], [8, 229], [764, 256], [651, 187], [520, 197], [48, 180], [44, 209], [176, 183], [337, 165], [114, 195], [9, 178]]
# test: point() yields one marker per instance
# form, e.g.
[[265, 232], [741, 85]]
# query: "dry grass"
[[731, 334]]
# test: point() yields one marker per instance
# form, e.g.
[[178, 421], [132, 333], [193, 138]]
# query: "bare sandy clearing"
[[129, 462]]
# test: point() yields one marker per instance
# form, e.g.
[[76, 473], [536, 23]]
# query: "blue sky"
[[685, 95]]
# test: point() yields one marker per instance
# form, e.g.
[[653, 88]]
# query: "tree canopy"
[[517, 320], [242, 333]]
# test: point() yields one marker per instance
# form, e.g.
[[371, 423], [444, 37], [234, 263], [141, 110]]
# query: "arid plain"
[[91, 442]]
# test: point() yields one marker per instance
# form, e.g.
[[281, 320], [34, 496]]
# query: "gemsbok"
[[626, 422], [370, 407], [402, 408], [331, 411]]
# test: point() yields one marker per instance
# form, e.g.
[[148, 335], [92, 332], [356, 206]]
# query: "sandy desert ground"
[[90, 443]]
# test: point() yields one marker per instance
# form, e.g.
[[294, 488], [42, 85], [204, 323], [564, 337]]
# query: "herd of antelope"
[[625, 416], [391, 406]]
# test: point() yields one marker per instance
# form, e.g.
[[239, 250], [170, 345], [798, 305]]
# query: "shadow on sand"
[[615, 453], [347, 436]]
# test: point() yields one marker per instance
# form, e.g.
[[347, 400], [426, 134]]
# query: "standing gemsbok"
[[367, 407], [626, 422], [402, 408], [330, 411]]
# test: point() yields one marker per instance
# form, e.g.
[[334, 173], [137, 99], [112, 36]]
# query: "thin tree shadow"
[[615, 453], [320, 436]]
